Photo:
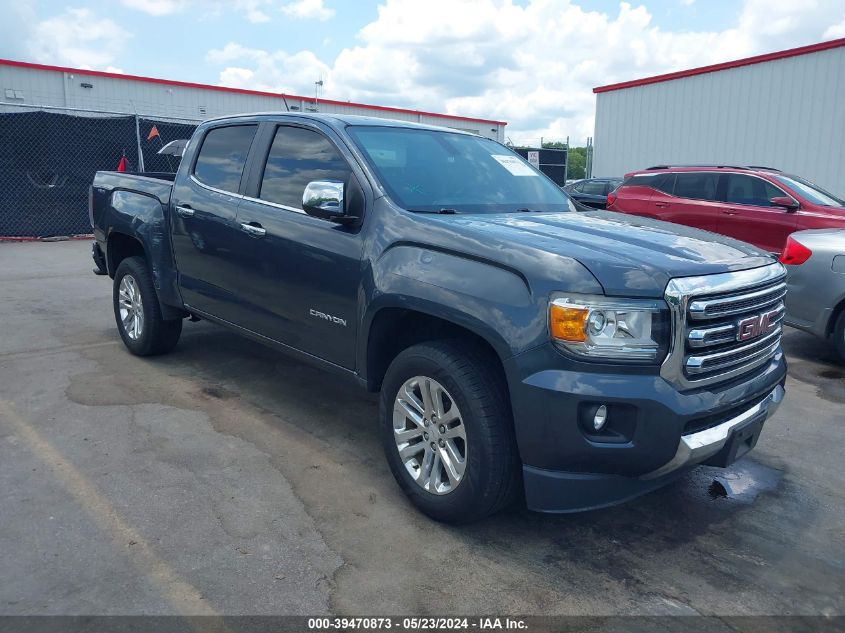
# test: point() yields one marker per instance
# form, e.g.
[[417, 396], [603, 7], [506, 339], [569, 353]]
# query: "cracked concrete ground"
[[226, 478]]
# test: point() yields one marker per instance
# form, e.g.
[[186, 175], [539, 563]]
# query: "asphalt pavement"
[[226, 478]]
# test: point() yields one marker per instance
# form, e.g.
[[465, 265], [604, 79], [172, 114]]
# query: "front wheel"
[[447, 431], [138, 313]]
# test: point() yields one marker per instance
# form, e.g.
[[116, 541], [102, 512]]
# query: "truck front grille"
[[725, 325]]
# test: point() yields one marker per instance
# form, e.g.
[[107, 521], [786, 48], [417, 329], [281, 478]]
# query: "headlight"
[[610, 329]]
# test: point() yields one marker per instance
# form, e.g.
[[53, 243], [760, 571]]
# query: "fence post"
[[566, 163], [138, 139]]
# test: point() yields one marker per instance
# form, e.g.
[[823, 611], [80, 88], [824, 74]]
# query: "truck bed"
[[157, 184]]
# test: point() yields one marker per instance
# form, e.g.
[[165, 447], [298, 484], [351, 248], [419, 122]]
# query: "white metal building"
[[27, 84], [783, 110]]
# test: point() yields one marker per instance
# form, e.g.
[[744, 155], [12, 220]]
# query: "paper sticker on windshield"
[[514, 165]]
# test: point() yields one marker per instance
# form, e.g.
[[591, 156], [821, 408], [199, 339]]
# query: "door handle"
[[254, 229], [730, 212], [185, 211], [662, 205]]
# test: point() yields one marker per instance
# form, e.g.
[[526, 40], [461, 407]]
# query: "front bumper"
[[666, 431], [698, 447]]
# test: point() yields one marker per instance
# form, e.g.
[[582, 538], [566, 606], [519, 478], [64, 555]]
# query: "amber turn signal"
[[567, 323]]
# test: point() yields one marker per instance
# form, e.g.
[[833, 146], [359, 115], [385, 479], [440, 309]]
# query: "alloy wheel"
[[430, 435], [131, 307]]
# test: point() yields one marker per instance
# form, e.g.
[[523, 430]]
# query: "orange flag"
[[153, 133]]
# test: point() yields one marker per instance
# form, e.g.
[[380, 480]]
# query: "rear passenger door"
[[747, 214], [300, 274], [203, 211], [689, 198]]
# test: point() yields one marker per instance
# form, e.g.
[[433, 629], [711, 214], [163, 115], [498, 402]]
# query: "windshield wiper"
[[435, 211]]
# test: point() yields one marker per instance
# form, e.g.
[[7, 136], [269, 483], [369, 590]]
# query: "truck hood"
[[628, 255]]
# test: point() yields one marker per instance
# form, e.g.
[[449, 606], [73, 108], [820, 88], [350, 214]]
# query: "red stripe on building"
[[748, 61], [278, 95]]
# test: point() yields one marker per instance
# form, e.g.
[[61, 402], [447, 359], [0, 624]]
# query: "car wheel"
[[138, 313], [447, 431], [839, 336]]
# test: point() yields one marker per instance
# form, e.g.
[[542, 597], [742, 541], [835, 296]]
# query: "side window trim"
[[244, 173]]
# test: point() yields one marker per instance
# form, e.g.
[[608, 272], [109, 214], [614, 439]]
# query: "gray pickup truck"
[[521, 349]]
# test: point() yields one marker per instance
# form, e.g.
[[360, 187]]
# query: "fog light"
[[600, 418]]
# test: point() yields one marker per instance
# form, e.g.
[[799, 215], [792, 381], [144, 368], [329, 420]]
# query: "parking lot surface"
[[226, 478]]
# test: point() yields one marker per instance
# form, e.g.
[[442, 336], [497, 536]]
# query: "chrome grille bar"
[[710, 312], [704, 336], [735, 356], [737, 304]]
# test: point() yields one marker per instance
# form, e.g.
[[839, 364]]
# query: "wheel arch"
[[834, 316], [119, 246], [393, 328]]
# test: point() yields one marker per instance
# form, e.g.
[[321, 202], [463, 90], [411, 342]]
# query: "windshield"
[[430, 170], [810, 191]]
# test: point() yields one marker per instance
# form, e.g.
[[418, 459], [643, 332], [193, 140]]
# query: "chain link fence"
[[48, 158]]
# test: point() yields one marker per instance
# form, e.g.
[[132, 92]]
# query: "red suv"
[[754, 204]]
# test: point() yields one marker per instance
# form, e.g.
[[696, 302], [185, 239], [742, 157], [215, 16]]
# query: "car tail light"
[[611, 198], [794, 253]]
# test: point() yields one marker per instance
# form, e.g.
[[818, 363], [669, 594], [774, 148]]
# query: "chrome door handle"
[[185, 212], [730, 212], [252, 229]]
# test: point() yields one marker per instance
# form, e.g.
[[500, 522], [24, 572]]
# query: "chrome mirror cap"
[[323, 198]]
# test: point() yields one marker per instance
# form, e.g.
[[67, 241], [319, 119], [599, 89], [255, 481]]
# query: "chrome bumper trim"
[[697, 447]]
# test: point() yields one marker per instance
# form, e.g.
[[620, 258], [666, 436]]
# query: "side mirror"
[[784, 201], [324, 199]]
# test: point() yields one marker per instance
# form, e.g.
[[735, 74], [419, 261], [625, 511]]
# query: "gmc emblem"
[[758, 325]]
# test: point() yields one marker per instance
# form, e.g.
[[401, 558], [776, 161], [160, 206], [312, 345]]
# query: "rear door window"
[[666, 184], [222, 157], [696, 185], [594, 188]]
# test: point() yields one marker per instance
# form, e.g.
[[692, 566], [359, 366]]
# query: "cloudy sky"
[[532, 63]]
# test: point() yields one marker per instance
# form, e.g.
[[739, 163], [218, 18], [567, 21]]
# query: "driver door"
[[300, 274]]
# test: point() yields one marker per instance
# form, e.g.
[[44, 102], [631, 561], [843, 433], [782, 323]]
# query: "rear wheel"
[[138, 313], [447, 431]]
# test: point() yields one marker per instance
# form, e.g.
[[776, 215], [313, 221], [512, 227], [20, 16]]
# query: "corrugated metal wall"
[[787, 113], [32, 86]]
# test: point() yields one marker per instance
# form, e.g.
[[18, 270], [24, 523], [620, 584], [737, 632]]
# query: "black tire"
[[156, 336], [491, 478], [839, 336]]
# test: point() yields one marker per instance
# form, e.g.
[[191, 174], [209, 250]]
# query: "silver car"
[[815, 300]]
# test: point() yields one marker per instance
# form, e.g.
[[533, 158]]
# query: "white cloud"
[[308, 9], [158, 7], [254, 10], [533, 65], [79, 38], [272, 72], [835, 32]]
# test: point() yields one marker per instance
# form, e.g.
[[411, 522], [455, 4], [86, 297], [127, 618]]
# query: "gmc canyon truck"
[[521, 349]]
